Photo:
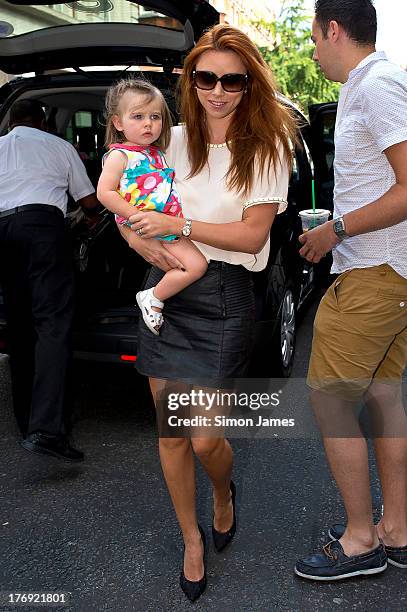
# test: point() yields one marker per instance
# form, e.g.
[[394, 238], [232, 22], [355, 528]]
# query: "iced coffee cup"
[[312, 218]]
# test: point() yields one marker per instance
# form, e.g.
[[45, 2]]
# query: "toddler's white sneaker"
[[153, 319]]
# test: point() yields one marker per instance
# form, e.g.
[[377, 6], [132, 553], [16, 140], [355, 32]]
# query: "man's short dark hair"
[[26, 111], [357, 17]]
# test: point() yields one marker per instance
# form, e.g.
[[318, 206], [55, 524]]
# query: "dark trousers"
[[37, 281]]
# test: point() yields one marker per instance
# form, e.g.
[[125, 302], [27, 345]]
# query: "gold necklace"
[[217, 146]]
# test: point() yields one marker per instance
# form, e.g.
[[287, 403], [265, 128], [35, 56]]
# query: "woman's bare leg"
[[216, 457], [178, 467]]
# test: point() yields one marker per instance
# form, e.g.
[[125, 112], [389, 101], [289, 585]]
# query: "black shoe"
[[194, 588], [220, 539], [333, 564], [56, 446], [395, 555]]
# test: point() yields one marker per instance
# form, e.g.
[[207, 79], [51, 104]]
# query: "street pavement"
[[105, 532]]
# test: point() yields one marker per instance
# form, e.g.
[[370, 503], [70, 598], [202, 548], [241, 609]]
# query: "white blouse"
[[205, 197]]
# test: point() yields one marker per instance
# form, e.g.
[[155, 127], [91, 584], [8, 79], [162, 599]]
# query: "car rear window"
[[20, 19]]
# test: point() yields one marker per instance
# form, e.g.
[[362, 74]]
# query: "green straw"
[[313, 195]]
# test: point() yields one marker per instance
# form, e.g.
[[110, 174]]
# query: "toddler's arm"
[[109, 180]]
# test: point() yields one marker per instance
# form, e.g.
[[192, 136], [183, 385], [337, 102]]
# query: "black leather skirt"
[[208, 328]]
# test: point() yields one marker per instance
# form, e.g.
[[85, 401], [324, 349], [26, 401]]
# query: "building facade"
[[247, 15]]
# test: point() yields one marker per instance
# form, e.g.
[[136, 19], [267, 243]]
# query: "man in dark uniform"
[[37, 169]]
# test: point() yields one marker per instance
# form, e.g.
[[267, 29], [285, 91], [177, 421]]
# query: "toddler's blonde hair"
[[144, 88]]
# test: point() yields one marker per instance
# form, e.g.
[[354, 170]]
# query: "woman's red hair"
[[259, 123]]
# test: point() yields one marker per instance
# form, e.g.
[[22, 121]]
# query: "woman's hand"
[[153, 251], [150, 224]]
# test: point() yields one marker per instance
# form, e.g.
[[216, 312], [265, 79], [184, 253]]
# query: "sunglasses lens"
[[205, 80], [233, 82], [230, 82]]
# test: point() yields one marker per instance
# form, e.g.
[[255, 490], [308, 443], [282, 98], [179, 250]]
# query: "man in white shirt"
[[359, 349], [37, 170]]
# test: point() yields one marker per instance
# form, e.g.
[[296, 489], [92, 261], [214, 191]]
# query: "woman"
[[231, 161]]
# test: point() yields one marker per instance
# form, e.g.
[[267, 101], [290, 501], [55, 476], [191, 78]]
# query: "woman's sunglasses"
[[232, 82]]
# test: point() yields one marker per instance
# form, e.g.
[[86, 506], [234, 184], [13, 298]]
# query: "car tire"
[[284, 339]]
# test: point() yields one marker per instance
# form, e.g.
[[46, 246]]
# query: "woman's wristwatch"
[[186, 230]]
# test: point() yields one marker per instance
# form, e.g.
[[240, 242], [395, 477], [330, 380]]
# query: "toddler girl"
[[135, 174]]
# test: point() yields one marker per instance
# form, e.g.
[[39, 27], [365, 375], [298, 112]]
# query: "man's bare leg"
[[347, 455], [386, 408]]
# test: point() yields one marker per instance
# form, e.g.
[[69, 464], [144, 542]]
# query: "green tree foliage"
[[298, 75]]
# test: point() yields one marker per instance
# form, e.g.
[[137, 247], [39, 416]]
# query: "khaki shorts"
[[360, 332]]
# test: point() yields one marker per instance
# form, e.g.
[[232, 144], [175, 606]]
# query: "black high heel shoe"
[[221, 540], [194, 588]]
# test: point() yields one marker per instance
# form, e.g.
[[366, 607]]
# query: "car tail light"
[[128, 357]]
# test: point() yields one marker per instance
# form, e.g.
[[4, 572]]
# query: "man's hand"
[[78, 216], [318, 242], [151, 250], [90, 205]]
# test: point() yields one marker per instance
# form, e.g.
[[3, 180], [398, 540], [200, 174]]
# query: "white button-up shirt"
[[372, 116], [39, 168]]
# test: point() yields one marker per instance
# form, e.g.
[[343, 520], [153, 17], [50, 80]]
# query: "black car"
[[152, 38]]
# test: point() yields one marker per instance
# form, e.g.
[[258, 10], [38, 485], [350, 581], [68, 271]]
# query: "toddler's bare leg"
[[195, 266]]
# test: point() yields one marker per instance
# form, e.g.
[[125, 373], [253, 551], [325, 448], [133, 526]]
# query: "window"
[[86, 132]]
